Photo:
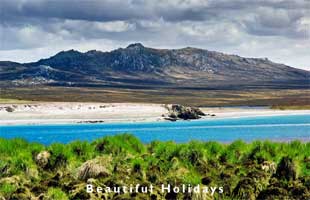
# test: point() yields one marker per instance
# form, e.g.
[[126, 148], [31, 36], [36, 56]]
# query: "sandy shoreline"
[[66, 113], [224, 112]]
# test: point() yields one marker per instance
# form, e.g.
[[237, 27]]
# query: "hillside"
[[142, 66]]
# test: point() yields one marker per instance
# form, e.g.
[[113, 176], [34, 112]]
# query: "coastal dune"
[[71, 112]]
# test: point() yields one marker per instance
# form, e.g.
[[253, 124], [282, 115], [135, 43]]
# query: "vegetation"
[[291, 107], [257, 170], [165, 95], [13, 101]]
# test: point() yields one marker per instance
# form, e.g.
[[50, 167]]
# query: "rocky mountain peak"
[[135, 46], [69, 52]]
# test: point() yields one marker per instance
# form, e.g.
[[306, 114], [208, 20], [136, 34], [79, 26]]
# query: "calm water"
[[281, 128]]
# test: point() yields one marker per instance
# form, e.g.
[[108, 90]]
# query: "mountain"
[[143, 66]]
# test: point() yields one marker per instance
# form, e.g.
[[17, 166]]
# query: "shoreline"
[[96, 113], [245, 113]]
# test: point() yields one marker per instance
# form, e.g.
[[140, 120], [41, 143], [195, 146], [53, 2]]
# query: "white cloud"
[[115, 26]]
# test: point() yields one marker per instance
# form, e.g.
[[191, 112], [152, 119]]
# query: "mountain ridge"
[[137, 64]]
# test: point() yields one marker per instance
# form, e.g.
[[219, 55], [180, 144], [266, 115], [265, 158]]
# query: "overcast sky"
[[276, 29]]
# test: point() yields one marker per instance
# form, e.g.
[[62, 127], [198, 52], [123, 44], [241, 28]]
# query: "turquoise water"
[[279, 128]]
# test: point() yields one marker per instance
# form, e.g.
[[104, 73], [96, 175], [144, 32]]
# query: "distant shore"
[[236, 112], [74, 112]]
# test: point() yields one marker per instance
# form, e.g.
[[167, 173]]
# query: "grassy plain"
[[13, 101], [190, 96]]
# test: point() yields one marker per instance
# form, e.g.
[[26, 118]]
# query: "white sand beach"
[[235, 112], [74, 112]]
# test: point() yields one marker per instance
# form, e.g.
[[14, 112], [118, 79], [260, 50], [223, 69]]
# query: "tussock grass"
[[157, 162]]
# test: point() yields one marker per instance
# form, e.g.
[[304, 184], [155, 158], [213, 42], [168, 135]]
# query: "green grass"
[[119, 144], [6, 189], [4, 100], [56, 194], [199, 96], [135, 162]]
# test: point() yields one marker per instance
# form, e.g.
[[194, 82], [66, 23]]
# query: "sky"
[[275, 29]]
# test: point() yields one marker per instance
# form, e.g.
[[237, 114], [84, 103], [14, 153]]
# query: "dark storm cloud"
[[90, 10], [286, 22], [216, 24], [21, 12], [107, 10]]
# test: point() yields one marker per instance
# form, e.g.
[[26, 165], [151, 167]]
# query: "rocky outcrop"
[[177, 111]]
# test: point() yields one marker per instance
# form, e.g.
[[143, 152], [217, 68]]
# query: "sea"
[[275, 128]]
